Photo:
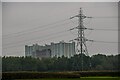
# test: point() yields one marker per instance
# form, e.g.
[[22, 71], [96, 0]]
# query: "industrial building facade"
[[55, 49]]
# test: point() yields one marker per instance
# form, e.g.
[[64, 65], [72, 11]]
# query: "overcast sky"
[[27, 23]]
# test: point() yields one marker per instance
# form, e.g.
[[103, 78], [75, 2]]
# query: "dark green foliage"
[[103, 62], [98, 73], [37, 75], [98, 62]]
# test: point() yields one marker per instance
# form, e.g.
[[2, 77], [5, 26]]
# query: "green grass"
[[82, 78]]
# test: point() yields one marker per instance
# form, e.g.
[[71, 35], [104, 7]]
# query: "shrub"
[[37, 75]]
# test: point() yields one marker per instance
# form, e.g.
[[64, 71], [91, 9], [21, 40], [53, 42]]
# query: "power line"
[[102, 41], [52, 24], [38, 37], [102, 29], [97, 29], [49, 37], [107, 17], [43, 26], [105, 41], [106, 29], [31, 29], [44, 29]]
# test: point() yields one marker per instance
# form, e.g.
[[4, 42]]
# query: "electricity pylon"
[[81, 47]]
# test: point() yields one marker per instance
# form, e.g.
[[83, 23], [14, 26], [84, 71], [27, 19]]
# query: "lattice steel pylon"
[[81, 47]]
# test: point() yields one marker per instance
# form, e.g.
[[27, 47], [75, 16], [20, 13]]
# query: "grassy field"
[[82, 78]]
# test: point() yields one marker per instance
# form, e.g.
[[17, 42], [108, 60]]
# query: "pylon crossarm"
[[81, 47]]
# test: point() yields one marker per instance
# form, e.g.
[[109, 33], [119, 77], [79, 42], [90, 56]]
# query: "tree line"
[[97, 62]]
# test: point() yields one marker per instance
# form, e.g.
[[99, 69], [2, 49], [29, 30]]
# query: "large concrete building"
[[55, 49]]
